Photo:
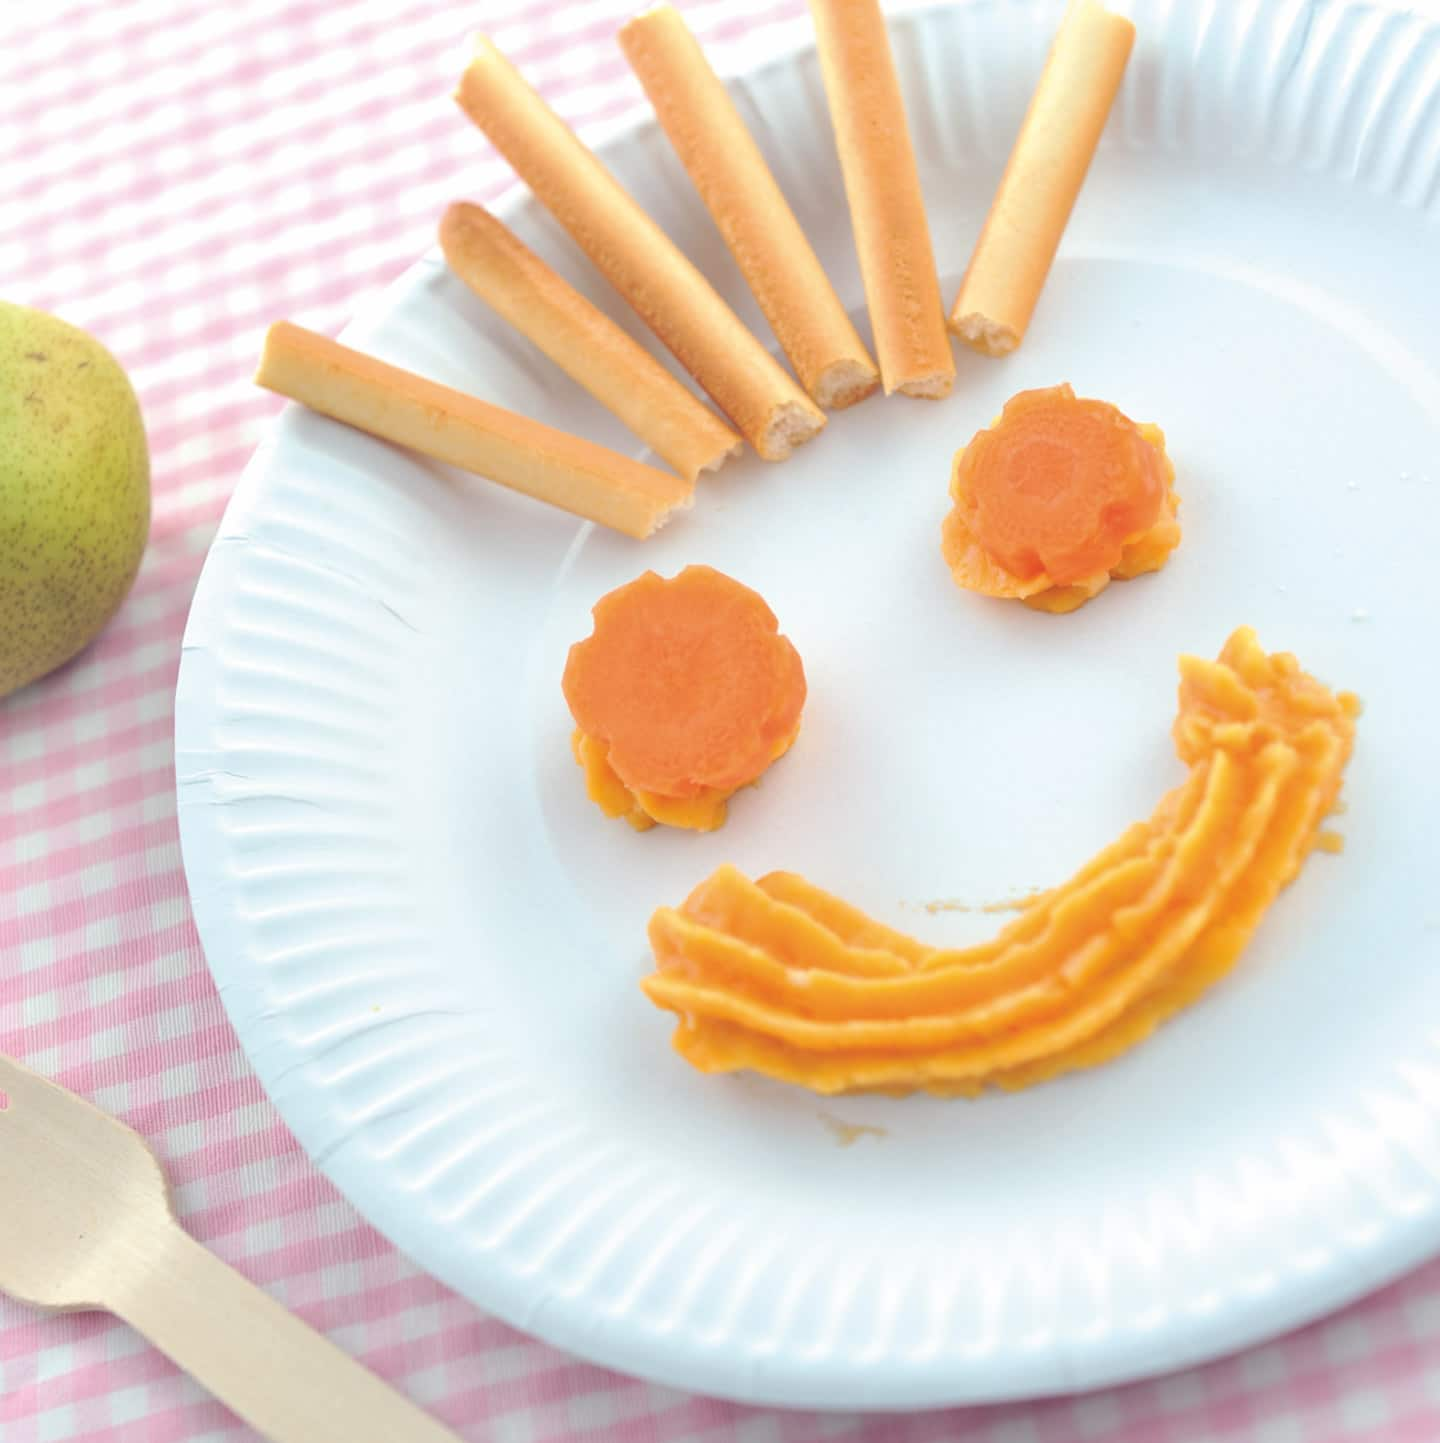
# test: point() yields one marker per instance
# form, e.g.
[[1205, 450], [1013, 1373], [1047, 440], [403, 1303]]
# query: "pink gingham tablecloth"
[[175, 175]]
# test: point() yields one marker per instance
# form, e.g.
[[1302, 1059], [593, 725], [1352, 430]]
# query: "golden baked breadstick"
[[638, 258], [1042, 179], [740, 193], [583, 341], [397, 405], [882, 186]]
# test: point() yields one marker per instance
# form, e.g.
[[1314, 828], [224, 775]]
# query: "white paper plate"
[[429, 941]]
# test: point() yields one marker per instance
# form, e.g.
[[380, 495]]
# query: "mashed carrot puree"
[[1058, 498], [780, 977]]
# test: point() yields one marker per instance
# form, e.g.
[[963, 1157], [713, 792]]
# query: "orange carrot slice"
[[687, 685], [1058, 497], [1059, 485]]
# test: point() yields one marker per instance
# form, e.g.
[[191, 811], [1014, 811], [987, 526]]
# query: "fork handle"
[[277, 1373]]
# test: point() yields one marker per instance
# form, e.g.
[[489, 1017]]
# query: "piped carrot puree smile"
[[782, 978], [1060, 496]]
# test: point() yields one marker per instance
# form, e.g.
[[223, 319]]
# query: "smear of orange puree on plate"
[[779, 977]]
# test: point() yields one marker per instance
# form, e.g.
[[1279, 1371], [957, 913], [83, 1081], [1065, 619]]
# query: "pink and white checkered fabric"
[[177, 174]]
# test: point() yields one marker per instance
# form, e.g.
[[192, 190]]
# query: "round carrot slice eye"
[[1059, 485], [686, 682]]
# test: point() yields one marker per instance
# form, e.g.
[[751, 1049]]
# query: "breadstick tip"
[[929, 388], [482, 52], [791, 424], [276, 333], [663, 518], [843, 383], [1098, 11], [459, 216], [648, 13], [980, 333], [723, 456]]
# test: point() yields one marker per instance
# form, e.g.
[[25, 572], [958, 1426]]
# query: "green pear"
[[74, 491]]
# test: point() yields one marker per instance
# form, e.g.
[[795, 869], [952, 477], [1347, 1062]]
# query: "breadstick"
[[887, 210], [583, 341], [399, 406], [1042, 179], [638, 258], [728, 170]]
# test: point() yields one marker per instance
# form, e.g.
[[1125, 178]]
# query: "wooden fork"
[[86, 1222]]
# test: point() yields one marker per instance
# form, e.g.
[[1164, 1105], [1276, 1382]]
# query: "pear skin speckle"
[[74, 492]]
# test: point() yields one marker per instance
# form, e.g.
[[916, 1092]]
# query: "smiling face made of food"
[[779, 977]]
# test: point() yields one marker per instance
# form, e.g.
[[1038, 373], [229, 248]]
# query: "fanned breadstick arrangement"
[[1043, 178], [584, 342], [882, 185], [760, 399], [638, 258], [399, 406], [725, 164]]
